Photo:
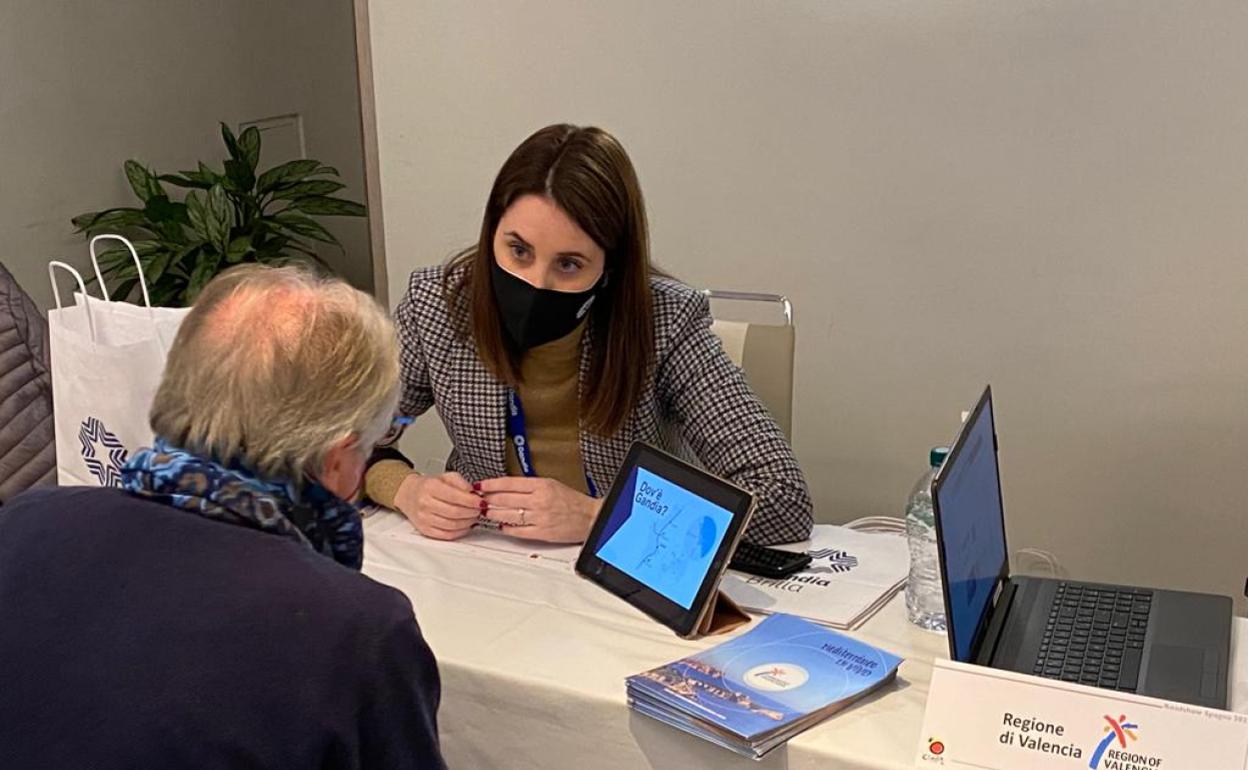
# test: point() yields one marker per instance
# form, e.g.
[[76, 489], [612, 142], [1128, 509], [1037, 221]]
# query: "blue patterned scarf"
[[309, 513]]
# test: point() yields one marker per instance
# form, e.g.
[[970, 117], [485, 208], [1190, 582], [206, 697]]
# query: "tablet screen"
[[664, 534]]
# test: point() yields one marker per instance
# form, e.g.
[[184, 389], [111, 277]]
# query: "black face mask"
[[533, 316]]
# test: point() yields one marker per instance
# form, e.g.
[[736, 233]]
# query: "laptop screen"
[[971, 526]]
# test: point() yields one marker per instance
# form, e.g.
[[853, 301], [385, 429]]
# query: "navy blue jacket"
[[137, 635]]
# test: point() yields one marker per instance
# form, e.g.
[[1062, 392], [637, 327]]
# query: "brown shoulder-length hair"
[[586, 173]]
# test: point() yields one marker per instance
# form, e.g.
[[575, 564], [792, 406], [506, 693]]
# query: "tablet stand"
[[722, 616]]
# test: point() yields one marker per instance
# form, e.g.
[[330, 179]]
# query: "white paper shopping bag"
[[107, 362]]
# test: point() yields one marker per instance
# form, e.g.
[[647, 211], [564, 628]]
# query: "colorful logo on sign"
[[103, 452], [1116, 731]]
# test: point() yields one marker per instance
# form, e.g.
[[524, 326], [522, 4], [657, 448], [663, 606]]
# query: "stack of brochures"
[[758, 690]]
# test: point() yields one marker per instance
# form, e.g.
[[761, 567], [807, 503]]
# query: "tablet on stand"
[[663, 539]]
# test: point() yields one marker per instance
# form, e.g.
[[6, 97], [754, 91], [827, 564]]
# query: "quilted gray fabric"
[[27, 435]]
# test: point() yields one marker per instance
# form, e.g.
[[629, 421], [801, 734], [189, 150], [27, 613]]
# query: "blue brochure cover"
[[780, 673]]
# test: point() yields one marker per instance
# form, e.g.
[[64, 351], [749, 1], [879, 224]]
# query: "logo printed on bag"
[[831, 560], [106, 468]]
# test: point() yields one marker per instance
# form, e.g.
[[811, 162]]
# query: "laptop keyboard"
[[1095, 635]]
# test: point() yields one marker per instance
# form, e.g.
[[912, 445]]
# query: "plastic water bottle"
[[925, 601]]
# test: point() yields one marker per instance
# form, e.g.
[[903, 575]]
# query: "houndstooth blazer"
[[697, 393]]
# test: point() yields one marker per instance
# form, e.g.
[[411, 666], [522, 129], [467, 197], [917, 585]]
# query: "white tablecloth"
[[533, 661]]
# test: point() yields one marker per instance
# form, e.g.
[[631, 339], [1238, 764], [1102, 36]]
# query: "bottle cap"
[[938, 455]]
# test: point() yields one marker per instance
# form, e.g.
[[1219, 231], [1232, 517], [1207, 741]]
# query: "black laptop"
[[1166, 644]]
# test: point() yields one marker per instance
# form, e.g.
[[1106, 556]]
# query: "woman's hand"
[[539, 509], [441, 507]]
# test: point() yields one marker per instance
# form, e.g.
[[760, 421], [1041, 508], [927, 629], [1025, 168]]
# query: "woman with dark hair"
[[552, 344]]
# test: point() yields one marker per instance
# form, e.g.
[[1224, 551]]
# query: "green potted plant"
[[227, 218]]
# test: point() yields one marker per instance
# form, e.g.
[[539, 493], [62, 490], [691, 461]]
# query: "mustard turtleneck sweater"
[[549, 393]]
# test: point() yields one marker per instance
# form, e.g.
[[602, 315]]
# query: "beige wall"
[[86, 85], [1051, 196]]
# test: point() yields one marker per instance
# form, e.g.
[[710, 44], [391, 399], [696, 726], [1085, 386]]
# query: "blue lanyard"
[[519, 436]]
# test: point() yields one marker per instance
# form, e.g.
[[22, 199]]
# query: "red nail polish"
[[485, 506], [476, 486]]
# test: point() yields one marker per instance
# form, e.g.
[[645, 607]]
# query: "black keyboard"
[[1095, 635]]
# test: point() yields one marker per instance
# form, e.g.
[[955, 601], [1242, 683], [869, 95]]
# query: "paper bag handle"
[[95, 262], [82, 287], [147, 300]]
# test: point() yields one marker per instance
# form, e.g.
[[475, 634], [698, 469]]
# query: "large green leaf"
[[185, 180], [161, 270], [197, 212], [206, 173], [115, 254], [303, 226], [113, 260], [220, 218], [201, 275], [83, 221], [109, 219], [286, 172], [117, 263], [327, 206], [271, 247], [118, 266], [239, 248], [231, 143], [167, 292], [154, 268], [211, 216], [249, 144], [142, 181], [203, 178], [173, 233], [123, 271], [179, 258], [124, 289], [305, 189], [161, 209], [239, 176]]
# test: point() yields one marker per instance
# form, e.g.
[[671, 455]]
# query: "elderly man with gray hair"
[[211, 613]]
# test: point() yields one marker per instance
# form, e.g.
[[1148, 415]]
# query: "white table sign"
[[987, 719]]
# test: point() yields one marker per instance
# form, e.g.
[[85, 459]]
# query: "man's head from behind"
[[291, 374]]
